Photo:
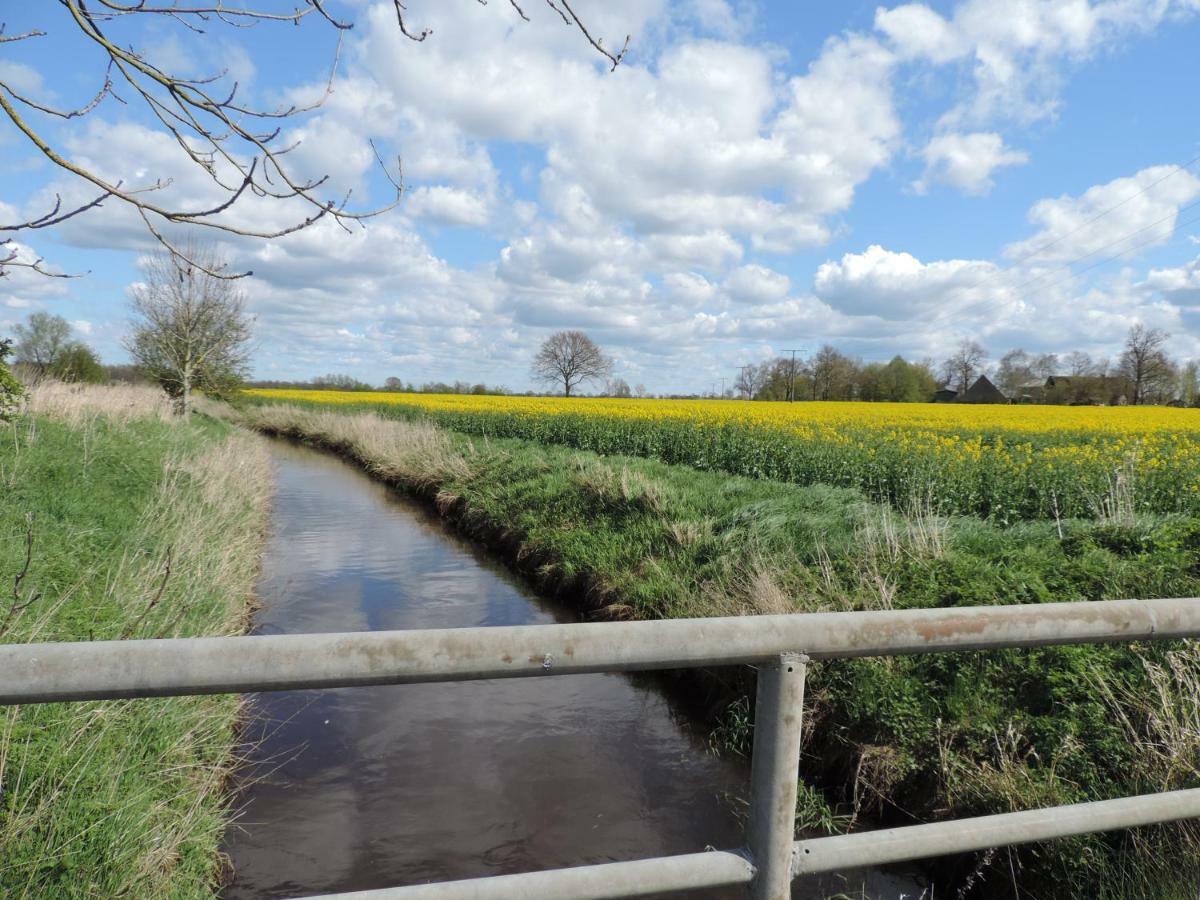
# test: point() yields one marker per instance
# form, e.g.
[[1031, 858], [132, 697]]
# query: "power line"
[[1038, 251], [1122, 253], [1119, 240], [1098, 216], [984, 301]]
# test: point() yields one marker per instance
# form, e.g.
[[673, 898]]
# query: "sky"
[[754, 178]]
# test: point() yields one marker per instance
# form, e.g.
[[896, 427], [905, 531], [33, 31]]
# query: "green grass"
[[890, 740], [139, 529]]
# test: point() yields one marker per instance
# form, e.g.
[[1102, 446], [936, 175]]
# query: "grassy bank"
[[117, 523], [900, 740]]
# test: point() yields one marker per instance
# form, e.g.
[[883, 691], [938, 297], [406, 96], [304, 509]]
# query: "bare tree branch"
[[10, 258], [231, 141]]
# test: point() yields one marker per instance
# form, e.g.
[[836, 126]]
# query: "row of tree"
[[190, 332], [830, 374], [340, 382], [1143, 373]]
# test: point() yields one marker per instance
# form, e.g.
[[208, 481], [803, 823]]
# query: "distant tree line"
[[190, 304], [337, 382], [1143, 373], [830, 374]]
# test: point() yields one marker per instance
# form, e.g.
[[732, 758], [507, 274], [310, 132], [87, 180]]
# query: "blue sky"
[[756, 177]]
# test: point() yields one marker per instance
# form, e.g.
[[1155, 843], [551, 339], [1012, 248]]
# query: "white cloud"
[[966, 161], [24, 79], [449, 206], [917, 32], [1015, 54], [688, 288], [756, 285], [898, 286], [1145, 208], [1179, 283], [708, 138], [720, 17]]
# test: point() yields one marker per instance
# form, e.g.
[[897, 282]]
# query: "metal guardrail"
[[781, 647]]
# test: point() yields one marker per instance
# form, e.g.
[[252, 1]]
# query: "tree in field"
[[1019, 370], [964, 366], [41, 340], [190, 330], [569, 358], [340, 382], [1146, 366], [392, 383], [241, 148], [77, 362], [751, 380]]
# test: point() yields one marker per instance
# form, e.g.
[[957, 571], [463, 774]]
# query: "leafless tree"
[[236, 144], [190, 329], [1146, 365], [618, 387], [569, 358], [961, 369], [1080, 363], [751, 379]]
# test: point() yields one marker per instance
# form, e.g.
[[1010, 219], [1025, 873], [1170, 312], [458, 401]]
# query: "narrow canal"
[[358, 788]]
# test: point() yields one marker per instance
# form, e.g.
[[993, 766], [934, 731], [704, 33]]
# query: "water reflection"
[[371, 787]]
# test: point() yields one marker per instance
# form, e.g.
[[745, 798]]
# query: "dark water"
[[360, 788]]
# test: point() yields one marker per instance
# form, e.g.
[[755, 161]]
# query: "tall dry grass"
[[82, 404], [420, 454], [127, 798]]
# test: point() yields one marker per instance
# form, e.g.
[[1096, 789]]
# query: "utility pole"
[[722, 387]]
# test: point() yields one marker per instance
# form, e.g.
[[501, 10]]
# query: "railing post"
[[775, 768]]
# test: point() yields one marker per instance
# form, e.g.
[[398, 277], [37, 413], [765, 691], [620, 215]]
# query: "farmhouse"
[[982, 391], [945, 395]]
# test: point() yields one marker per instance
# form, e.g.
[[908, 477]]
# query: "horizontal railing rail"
[[780, 646], [96, 670]]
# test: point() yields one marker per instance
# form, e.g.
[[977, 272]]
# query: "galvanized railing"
[[780, 646]]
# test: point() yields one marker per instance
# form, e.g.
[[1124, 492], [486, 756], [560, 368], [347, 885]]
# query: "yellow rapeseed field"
[[1001, 461]]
